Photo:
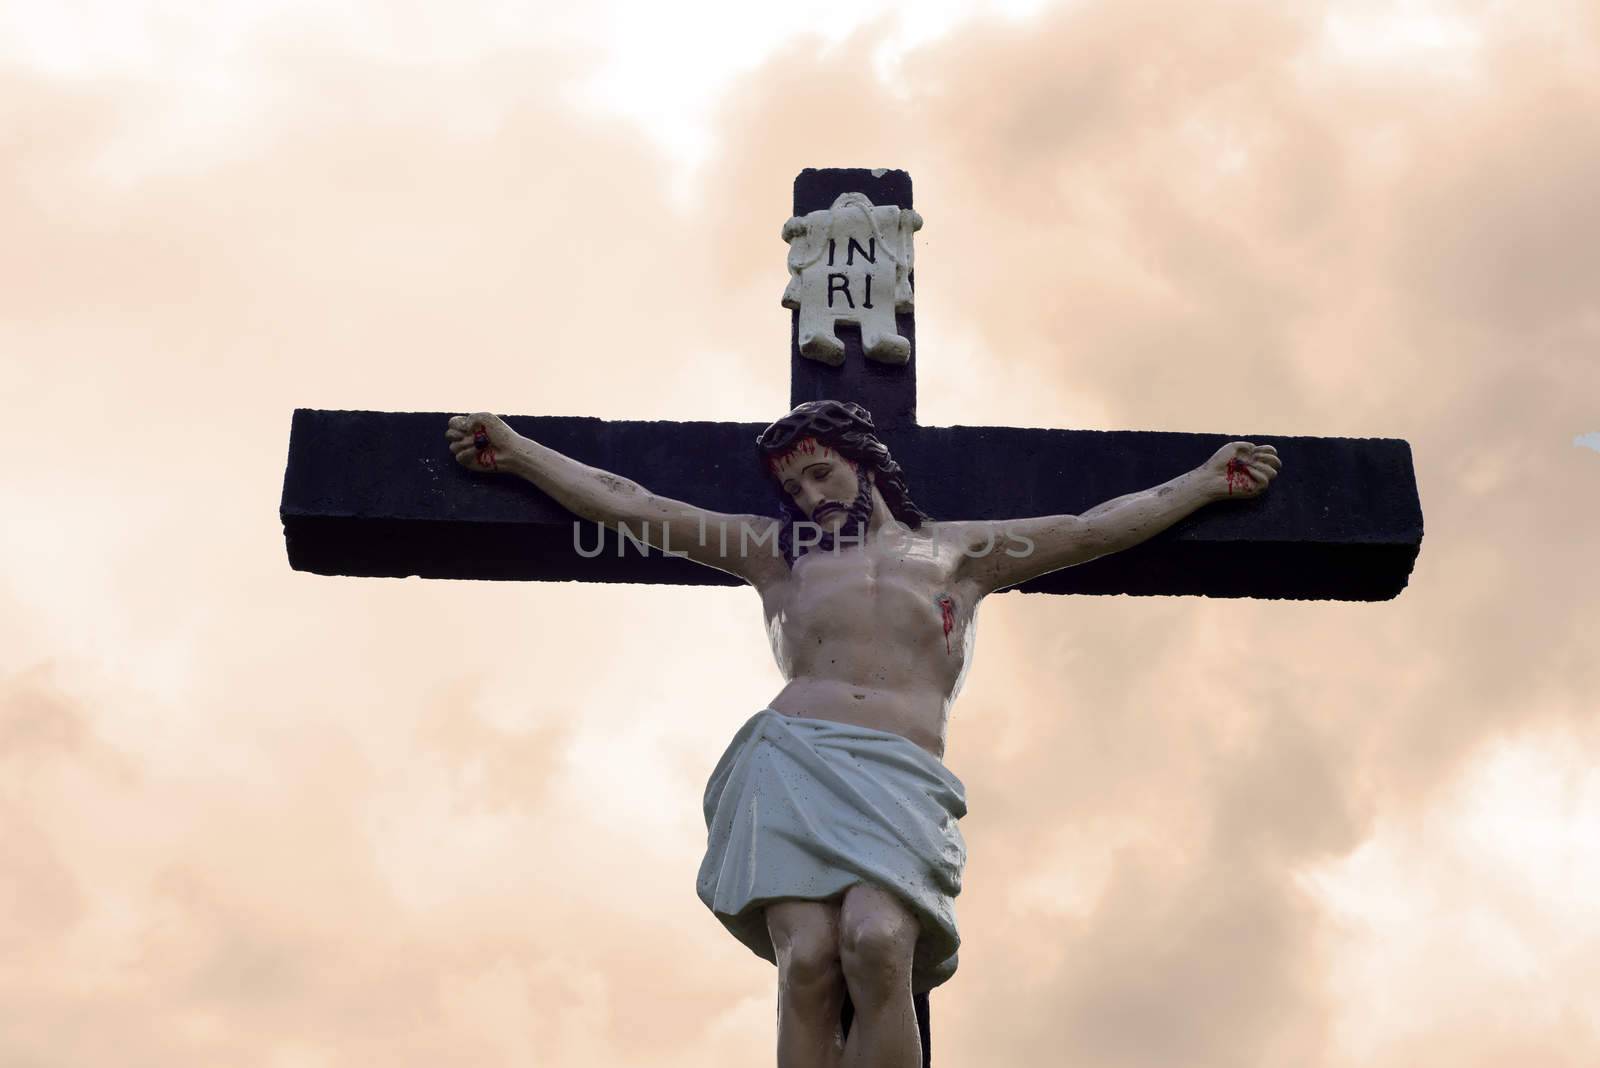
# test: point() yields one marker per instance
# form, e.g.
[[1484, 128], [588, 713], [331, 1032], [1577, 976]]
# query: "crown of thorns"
[[822, 419]]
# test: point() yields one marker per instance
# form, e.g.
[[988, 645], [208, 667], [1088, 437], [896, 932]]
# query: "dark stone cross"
[[378, 493]]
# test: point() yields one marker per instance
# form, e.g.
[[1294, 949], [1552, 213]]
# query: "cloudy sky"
[[255, 817]]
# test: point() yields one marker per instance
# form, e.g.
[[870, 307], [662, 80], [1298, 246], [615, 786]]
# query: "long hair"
[[846, 429]]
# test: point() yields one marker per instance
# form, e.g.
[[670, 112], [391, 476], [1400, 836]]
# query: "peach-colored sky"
[[255, 817]]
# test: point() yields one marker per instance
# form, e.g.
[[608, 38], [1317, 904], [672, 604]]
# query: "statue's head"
[[830, 469]]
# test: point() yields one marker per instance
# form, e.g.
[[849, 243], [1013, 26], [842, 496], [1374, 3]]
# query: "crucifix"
[[832, 842]]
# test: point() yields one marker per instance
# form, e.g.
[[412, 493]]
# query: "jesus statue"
[[833, 848]]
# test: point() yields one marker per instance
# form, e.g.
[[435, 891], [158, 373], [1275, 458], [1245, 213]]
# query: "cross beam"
[[376, 493]]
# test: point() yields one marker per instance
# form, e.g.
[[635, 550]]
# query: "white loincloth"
[[805, 808]]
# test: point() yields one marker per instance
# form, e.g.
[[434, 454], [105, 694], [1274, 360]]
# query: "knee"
[[809, 960], [877, 942]]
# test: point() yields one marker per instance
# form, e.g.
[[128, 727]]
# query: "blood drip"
[[1238, 475], [947, 609], [804, 445], [480, 441]]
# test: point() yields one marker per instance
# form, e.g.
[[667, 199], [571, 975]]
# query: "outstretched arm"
[[742, 545], [1005, 552]]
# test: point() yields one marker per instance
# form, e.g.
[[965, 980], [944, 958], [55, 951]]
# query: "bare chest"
[[899, 598]]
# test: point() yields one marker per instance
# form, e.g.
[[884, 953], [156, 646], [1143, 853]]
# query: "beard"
[[854, 527]]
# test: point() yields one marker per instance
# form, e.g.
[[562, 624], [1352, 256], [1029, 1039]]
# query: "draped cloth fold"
[[804, 809]]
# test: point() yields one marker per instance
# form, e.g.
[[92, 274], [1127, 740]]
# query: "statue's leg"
[[847, 1013], [811, 984], [877, 934]]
